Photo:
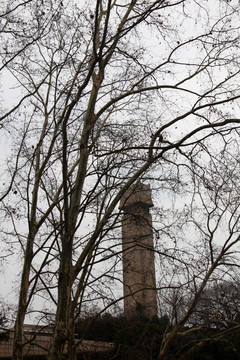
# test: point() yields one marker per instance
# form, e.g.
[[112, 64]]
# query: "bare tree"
[[111, 92], [206, 248], [218, 307]]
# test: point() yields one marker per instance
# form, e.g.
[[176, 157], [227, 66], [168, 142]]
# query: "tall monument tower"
[[139, 283]]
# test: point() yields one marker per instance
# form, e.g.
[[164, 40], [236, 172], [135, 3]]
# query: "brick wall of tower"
[[138, 253]]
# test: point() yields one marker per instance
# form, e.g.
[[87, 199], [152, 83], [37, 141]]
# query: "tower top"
[[137, 194]]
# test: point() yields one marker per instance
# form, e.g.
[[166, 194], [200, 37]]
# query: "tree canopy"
[[97, 95]]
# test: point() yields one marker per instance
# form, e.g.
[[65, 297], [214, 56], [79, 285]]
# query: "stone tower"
[[139, 283]]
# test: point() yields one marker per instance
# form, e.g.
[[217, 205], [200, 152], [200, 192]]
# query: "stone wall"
[[39, 344], [139, 283]]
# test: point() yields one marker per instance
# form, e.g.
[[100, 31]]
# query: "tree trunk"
[[60, 332], [23, 300], [71, 346]]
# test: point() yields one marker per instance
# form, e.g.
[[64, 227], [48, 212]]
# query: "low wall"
[[39, 344]]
